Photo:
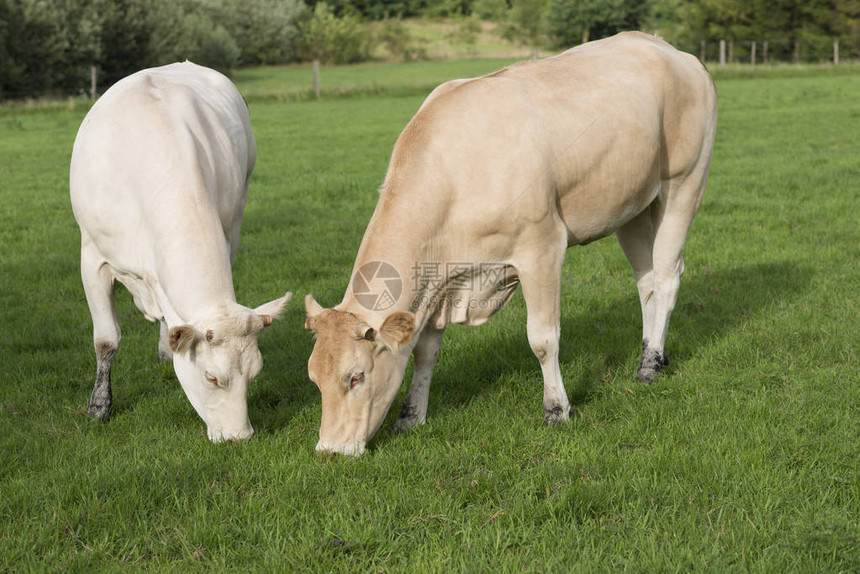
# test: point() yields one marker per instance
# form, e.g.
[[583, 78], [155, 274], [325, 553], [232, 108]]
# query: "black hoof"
[[99, 412], [651, 365], [403, 426], [558, 415], [647, 375]]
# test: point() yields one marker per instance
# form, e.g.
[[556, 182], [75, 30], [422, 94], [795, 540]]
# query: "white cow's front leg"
[[426, 353], [164, 353], [99, 289], [541, 282]]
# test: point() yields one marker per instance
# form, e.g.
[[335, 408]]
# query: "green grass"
[[291, 83], [743, 457]]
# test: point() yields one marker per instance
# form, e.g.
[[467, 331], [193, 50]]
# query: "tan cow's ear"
[[397, 329], [365, 331], [312, 309], [182, 338]]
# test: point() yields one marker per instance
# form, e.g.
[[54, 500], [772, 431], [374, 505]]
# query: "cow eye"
[[211, 378], [356, 379]]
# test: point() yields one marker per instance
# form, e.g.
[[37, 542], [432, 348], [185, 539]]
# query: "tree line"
[[48, 46]]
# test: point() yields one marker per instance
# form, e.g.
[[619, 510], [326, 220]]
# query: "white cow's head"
[[215, 363], [358, 369]]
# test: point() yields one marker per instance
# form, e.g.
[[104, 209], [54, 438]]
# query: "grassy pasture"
[[744, 456], [291, 83]]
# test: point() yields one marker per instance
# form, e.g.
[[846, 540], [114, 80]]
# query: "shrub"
[[218, 50], [467, 31], [265, 30], [396, 37], [333, 40]]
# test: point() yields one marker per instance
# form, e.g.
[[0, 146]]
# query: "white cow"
[[159, 178], [489, 184]]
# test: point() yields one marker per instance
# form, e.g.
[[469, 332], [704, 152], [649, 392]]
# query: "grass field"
[[744, 456], [291, 83]]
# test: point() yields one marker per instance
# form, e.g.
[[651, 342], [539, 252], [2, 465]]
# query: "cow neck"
[[397, 236], [197, 284]]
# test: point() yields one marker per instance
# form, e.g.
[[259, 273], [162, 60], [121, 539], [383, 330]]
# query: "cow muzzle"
[[220, 435], [353, 449]]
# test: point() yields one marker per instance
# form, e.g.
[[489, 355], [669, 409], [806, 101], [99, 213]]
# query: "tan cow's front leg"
[[426, 353], [540, 278]]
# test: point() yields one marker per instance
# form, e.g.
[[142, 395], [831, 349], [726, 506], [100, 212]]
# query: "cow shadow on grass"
[[594, 342], [607, 340]]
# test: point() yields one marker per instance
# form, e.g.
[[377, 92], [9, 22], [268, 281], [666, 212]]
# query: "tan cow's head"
[[215, 363], [358, 369]]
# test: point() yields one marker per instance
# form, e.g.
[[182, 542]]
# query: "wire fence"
[[814, 50], [752, 52]]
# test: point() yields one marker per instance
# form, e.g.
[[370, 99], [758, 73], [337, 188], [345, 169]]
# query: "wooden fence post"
[[722, 53], [836, 51], [797, 51], [93, 83], [752, 55], [764, 53], [317, 78]]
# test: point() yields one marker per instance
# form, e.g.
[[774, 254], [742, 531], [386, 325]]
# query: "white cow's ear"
[[397, 329], [182, 338], [271, 310]]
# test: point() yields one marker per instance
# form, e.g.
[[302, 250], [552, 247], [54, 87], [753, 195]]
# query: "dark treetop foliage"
[[48, 46]]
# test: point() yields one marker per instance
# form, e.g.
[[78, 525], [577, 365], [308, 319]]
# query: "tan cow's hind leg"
[[540, 277], [99, 289], [426, 353], [658, 276], [637, 241]]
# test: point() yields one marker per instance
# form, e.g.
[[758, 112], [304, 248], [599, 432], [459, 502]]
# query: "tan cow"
[[488, 185]]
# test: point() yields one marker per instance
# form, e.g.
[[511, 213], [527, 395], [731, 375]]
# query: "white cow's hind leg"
[[540, 277], [164, 352], [426, 353], [99, 289]]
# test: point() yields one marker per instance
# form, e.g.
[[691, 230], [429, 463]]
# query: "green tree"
[[378, 9], [493, 10], [45, 46], [573, 21], [265, 30], [525, 22], [126, 31], [332, 39], [813, 23]]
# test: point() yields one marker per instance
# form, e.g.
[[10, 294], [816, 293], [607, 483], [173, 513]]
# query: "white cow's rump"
[[159, 178], [509, 170]]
